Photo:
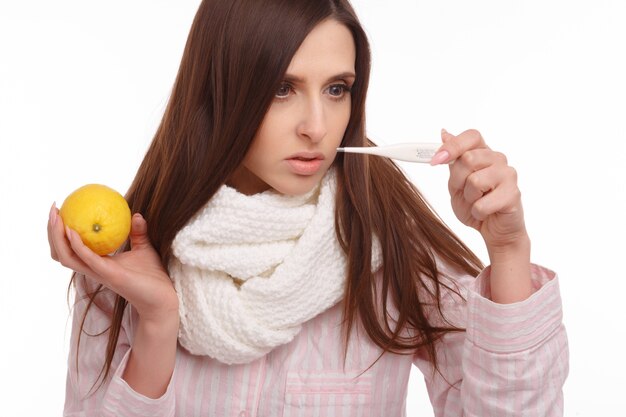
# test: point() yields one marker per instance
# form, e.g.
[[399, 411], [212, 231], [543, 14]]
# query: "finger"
[[472, 161], [139, 233], [476, 186], [485, 180], [445, 136], [51, 220], [105, 271], [454, 146], [505, 198], [462, 210], [59, 246], [65, 254]]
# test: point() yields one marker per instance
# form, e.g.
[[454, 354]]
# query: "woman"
[[267, 275]]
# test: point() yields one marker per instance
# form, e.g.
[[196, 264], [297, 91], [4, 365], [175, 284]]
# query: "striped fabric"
[[511, 361]]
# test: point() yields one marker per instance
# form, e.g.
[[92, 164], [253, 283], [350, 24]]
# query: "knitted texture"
[[249, 270]]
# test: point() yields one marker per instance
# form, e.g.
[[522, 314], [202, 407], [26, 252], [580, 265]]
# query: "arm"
[[152, 358], [485, 196], [512, 359], [115, 397], [137, 275]]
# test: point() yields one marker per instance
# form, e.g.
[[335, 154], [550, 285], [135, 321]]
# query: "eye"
[[338, 91], [283, 91]]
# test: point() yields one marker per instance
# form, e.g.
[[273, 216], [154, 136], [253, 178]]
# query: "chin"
[[297, 185]]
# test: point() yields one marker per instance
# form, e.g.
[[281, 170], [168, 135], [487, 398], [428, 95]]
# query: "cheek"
[[340, 120], [268, 136], [276, 125], [267, 145]]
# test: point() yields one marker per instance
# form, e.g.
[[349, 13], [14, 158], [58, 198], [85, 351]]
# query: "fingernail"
[[53, 216], [440, 158], [445, 135], [68, 233]]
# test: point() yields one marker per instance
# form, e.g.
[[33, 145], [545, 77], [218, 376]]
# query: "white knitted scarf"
[[249, 270]]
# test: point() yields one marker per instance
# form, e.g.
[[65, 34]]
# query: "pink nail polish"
[[52, 215], [440, 158]]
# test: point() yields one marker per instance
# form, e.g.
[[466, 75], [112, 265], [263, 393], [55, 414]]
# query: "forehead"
[[327, 49]]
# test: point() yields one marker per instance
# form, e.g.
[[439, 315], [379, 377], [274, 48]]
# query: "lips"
[[305, 163]]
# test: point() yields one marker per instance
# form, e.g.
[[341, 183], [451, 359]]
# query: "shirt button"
[[244, 413]]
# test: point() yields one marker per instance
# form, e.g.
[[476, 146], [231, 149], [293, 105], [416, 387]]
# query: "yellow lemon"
[[100, 215]]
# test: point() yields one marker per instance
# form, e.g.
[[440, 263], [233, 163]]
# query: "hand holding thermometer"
[[410, 152]]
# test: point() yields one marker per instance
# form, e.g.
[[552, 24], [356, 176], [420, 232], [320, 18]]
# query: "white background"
[[84, 84]]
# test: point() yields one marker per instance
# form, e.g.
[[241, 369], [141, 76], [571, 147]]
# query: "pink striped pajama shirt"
[[511, 361]]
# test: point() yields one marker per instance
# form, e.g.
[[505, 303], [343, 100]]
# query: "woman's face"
[[297, 140]]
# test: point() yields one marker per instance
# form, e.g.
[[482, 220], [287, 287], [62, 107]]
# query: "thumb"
[[139, 232], [442, 154]]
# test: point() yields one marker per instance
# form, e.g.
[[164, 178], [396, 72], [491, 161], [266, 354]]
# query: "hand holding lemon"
[[95, 220]]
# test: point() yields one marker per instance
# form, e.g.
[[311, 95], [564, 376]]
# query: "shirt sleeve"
[[511, 360], [85, 396]]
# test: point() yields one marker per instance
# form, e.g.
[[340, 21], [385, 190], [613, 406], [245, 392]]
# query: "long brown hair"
[[235, 57]]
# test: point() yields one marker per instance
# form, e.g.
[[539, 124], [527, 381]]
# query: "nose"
[[313, 121]]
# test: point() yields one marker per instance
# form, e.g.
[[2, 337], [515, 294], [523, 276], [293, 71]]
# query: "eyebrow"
[[296, 79]]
